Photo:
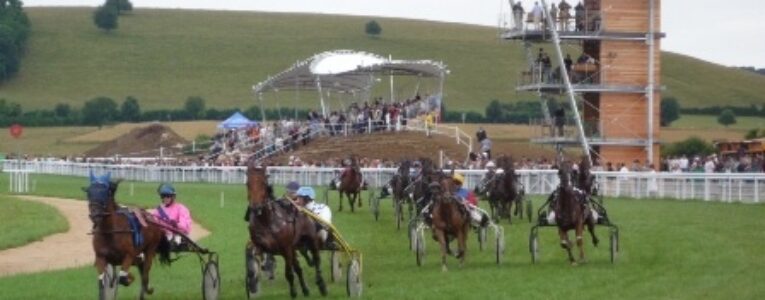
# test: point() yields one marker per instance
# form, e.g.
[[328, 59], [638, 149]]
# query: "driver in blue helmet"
[[172, 213], [306, 196]]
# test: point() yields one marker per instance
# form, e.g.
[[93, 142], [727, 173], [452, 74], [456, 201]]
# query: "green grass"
[[163, 56], [25, 222], [670, 250], [710, 122]]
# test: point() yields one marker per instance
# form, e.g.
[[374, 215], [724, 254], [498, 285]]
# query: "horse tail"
[[163, 249]]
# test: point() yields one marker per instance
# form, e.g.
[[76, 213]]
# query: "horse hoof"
[[444, 269], [574, 264], [150, 291], [306, 293]]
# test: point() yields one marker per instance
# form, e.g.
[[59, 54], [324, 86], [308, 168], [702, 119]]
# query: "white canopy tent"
[[346, 71]]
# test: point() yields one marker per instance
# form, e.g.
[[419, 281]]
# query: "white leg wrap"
[[101, 276], [123, 273]]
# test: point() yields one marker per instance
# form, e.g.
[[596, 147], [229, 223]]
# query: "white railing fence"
[[723, 187]]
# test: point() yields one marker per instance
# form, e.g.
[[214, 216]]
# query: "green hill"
[[163, 56]]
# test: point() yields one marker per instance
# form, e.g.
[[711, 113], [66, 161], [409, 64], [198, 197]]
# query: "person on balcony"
[[536, 15], [579, 16], [560, 120], [564, 14], [553, 16], [518, 12]]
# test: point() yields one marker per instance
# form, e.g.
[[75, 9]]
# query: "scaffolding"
[[611, 88]]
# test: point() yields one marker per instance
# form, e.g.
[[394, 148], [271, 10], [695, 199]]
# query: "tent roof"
[[236, 120], [345, 71]]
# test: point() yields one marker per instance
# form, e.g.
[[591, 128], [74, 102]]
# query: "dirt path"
[[62, 250]]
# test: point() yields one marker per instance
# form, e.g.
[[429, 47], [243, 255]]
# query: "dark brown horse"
[[450, 218], [571, 213], [280, 229], [503, 190], [350, 184], [400, 183], [113, 239]]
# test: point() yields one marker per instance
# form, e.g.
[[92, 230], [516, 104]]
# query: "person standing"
[[579, 16], [564, 14], [536, 14], [480, 134], [560, 121], [486, 147], [518, 15], [554, 16]]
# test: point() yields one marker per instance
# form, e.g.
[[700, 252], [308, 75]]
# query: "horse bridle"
[[98, 198]]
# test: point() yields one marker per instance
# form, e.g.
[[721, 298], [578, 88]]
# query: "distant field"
[[164, 56], [46, 140]]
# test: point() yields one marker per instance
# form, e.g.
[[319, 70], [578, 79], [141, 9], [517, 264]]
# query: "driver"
[[173, 214], [477, 215], [305, 198]]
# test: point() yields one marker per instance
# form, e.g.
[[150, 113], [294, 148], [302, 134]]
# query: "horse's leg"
[[591, 229], [358, 197], [299, 271], [125, 277], [579, 243], [340, 192], [566, 244], [289, 260], [144, 267], [352, 200], [317, 266], [442, 240], [462, 242], [100, 266]]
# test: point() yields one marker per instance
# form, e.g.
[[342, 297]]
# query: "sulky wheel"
[[107, 285], [534, 246], [412, 234], [481, 238], [614, 245], [419, 249], [211, 281], [353, 282], [252, 275], [336, 269], [326, 196], [500, 246]]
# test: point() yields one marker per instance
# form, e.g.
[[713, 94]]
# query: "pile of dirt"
[[142, 142]]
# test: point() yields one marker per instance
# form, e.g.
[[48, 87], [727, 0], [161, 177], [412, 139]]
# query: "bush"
[[670, 111], [726, 117], [689, 147], [105, 17], [373, 28]]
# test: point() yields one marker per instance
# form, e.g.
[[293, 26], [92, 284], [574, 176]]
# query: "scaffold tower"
[[606, 57]]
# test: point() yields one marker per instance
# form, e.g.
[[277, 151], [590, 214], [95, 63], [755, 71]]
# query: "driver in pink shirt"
[[172, 213]]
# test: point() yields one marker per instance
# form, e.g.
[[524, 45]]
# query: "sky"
[[725, 32]]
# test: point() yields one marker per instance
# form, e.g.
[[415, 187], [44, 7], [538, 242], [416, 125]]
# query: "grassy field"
[[670, 250], [164, 56], [710, 122], [25, 222]]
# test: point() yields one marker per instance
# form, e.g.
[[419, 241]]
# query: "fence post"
[[457, 134]]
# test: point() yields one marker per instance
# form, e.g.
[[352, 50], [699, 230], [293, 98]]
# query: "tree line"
[[101, 111]]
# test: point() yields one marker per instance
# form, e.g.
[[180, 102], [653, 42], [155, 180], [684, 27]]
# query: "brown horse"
[[113, 239], [503, 190], [350, 184], [280, 229], [571, 212], [450, 218]]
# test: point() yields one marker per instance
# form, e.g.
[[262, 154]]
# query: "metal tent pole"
[[567, 82], [321, 97]]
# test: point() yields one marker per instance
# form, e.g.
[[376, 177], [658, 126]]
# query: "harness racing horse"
[[503, 190], [572, 212], [399, 186], [281, 229], [351, 182], [118, 242], [450, 218]]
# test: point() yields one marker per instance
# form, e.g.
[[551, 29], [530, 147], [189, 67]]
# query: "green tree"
[[195, 107], [726, 117], [670, 111], [494, 112], [105, 17], [130, 110], [14, 30], [372, 28], [98, 111], [121, 5], [62, 111], [689, 147]]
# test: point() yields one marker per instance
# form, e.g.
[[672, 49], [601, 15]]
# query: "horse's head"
[[100, 195], [564, 174], [258, 189]]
